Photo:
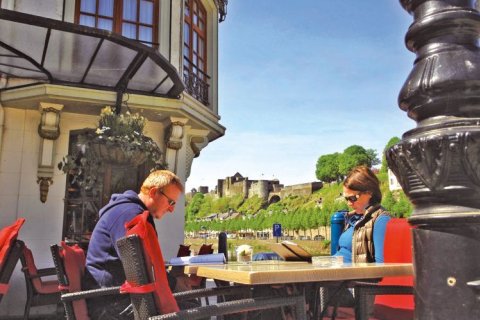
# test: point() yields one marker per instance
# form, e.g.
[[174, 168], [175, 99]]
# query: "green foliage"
[[388, 201], [403, 207], [354, 156], [194, 206], [221, 205], [119, 138], [332, 167], [205, 207], [327, 167], [390, 143], [235, 202], [251, 205]]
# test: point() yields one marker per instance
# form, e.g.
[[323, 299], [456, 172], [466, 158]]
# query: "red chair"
[[10, 251], [394, 295], [39, 292]]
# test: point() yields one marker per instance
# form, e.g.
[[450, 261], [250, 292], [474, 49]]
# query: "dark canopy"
[[52, 51]]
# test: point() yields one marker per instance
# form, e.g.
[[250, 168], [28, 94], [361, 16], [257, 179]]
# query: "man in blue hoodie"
[[158, 195]]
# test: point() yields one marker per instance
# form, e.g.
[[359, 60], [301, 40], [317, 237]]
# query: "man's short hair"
[[160, 179]]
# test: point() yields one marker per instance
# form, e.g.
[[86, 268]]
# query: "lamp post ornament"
[[437, 163]]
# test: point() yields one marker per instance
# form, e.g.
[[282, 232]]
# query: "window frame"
[[118, 20], [188, 20]]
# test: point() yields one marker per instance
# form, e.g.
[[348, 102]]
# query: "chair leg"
[[300, 312], [28, 303]]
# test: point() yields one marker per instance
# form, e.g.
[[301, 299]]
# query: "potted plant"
[[119, 140]]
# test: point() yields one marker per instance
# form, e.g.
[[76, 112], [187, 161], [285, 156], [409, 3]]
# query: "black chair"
[[39, 291], [70, 265]]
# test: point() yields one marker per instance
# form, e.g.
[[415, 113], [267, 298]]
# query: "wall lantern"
[[49, 131]]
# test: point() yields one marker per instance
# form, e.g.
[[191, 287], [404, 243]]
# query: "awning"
[[52, 51]]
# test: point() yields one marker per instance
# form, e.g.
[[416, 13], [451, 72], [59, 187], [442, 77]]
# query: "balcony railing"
[[196, 84]]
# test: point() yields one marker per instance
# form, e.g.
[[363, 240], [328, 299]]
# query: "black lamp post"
[[438, 162]]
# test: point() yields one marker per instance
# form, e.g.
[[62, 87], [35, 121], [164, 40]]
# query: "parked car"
[[319, 237]]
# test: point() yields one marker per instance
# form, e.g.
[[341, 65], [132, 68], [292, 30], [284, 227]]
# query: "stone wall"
[[304, 189]]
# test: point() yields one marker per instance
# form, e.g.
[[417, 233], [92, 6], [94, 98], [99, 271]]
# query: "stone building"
[[61, 62], [237, 184], [269, 190]]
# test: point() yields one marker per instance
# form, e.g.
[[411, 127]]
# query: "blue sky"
[[300, 79]]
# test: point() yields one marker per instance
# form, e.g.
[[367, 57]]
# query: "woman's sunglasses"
[[352, 199]]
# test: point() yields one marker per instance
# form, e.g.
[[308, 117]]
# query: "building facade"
[[61, 62]]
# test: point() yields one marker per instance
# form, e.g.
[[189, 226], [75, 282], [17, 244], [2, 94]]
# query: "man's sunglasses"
[[171, 202], [352, 199]]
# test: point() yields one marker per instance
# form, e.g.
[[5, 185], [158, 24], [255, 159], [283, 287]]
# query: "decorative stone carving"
[[197, 143], [44, 186], [174, 136]]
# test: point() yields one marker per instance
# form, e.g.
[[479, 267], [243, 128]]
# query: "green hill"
[[297, 214]]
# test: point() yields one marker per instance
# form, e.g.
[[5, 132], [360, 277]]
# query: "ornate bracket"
[[198, 140], [174, 142]]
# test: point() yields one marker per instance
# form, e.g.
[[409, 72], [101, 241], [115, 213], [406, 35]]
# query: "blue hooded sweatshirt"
[[103, 262]]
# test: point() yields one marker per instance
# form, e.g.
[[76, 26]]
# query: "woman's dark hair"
[[362, 179]]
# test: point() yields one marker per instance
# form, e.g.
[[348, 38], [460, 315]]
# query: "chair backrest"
[[10, 252], [33, 279], [205, 249], [183, 250], [8, 235], [70, 265], [156, 283], [398, 248]]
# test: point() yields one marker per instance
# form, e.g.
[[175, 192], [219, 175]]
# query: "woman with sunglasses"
[[364, 231]]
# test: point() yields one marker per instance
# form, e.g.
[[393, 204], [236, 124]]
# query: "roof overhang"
[[43, 50]]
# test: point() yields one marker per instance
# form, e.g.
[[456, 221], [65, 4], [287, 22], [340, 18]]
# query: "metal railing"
[[196, 84]]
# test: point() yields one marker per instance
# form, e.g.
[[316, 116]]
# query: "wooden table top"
[[275, 272]]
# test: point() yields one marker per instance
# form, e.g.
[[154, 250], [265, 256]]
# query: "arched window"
[[195, 50], [134, 19]]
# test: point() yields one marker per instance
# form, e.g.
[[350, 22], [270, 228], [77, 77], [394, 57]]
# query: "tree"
[[403, 208], [388, 202], [390, 143], [372, 155], [327, 167], [194, 206], [355, 155], [221, 205], [205, 208]]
